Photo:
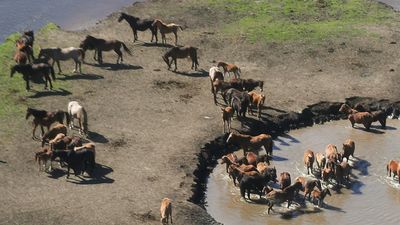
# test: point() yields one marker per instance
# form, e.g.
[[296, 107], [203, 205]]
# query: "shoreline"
[[171, 102]]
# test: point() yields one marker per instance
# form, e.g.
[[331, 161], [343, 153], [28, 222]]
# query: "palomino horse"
[[76, 111], [29, 71], [230, 68], [167, 28], [63, 54], [138, 24], [99, 45], [180, 53], [27, 40], [252, 142], [44, 118]]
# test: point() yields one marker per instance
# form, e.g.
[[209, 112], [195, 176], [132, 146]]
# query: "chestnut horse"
[[247, 142], [230, 68], [167, 28], [44, 118], [287, 194], [26, 40], [21, 55], [181, 53], [393, 166], [215, 74]]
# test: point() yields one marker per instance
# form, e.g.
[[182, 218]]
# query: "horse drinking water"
[[63, 54], [138, 24], [76, 111]]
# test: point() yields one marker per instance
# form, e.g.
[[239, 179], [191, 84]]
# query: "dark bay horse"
[[45, 118], [99, 45], [36, 70], [181, 53], [138, 24]]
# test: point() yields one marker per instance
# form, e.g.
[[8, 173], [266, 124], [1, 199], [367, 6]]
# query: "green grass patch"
[[301, 20], [13, 96]]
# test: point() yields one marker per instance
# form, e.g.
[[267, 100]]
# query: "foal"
[[228, 68], [167, 28]]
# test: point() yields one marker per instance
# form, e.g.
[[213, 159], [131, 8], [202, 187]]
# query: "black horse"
[[139, 24], [78, 161], [256, 183], [33, 72]]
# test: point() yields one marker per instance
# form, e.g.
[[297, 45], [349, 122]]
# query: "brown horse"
[[284, 180], [364, 118], [344, 108], [230, 68], [287, 194], [252, 142], [181, 53], [332, 155], [99, 45], [167, 28], [21, 56], [44, 118], [26, 41], [320, 196], [309, 159], [393, 166]]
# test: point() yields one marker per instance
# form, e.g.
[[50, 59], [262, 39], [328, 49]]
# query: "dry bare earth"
[[149, 122]]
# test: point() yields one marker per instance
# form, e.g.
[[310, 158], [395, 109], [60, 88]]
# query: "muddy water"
[[372, 198]]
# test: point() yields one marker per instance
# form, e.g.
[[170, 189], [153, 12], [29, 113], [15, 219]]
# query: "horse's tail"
[[52, 73], [67, 117], [126, 48], [82, 54]]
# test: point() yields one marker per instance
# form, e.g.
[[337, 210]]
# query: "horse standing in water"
[[37, 70], [138, 24], [76, 111], [57, 54], [181, 53], [44, 118], [99, 45], [167, 28]]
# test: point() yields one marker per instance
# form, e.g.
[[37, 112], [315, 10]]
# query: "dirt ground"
[[149, 123]]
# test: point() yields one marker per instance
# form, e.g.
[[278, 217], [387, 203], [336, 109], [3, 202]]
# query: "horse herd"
[[253, 173]]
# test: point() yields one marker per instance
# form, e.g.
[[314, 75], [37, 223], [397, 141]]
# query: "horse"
[[257, 182], [250, 84], [364, 118], [78, 161], [180, 53], [27, 40], [286, 194], [57, 54], [138, 24], [379, 115], [99, 45], [76, 111], [166, 211], [228, 68], [44, 118], [54, 130], [320, 196], [167, 28], [252, 142], [215, 74], [393, 166], [29, 71], [284, 180], [256, 100], [227, 114], [309, 160], [344, 108], [240, 101], [21, 55]]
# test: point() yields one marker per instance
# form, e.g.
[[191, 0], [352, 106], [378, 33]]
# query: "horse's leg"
[[95, 53], [68, 168], [80, 125], [176, 38], [135, 35], [175, 65], [59, 68], [49, 80], [41, 128], [27, 84], [99, 57], [119, 53]]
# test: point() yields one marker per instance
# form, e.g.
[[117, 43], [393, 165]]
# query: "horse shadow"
[[274, 109], [114, 67], [96, 137], [197, 73], [154, 44], [374, 131], [286, 136], [60, 92], [362, 166], [279, 158], [81, 77], [333, 208], [356, 187], [98, 176], [383, 128]]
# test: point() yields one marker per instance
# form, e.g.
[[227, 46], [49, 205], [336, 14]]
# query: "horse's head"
[[29, 33], [271, 173], [28, 113], [166, 60], [156, 22]]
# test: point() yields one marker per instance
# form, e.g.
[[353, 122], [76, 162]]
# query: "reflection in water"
[[372, 197]]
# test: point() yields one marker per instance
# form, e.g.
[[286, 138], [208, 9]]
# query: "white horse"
[[215, 74], [76, 111], [57, 54]]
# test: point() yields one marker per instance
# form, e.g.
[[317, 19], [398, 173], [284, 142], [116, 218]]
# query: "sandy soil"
[[149, 123]]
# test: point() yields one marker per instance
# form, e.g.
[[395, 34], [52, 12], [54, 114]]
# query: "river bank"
[[150, 124]]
